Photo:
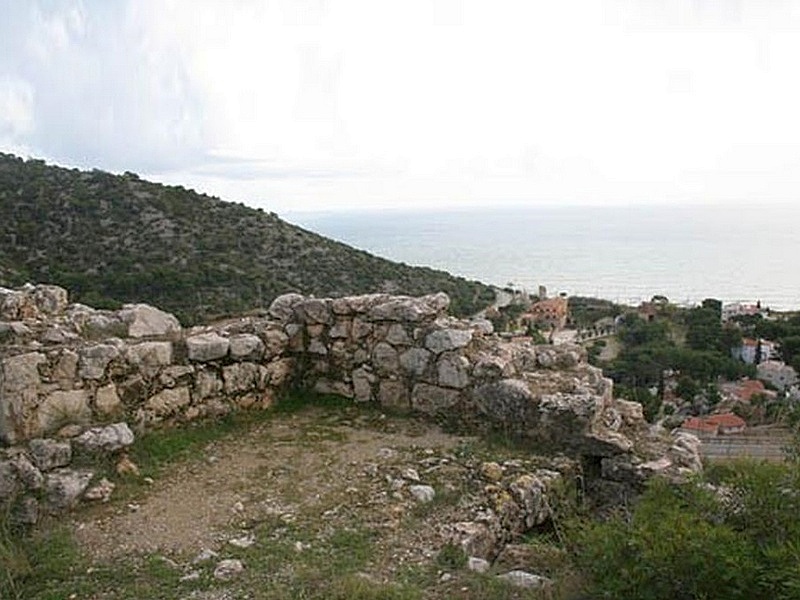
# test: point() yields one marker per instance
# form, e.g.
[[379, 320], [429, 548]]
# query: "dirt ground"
[[310, 468]]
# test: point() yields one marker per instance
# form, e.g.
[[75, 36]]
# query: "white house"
[[748, 351], [739, 309], [777, 373]]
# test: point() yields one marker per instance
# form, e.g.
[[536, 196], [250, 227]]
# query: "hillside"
[[117, 238]]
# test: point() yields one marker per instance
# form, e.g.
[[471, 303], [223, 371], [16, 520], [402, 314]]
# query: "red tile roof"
[[727, 420], [749, 388], [698, 424]]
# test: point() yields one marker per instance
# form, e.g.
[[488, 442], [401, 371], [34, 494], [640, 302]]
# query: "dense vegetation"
[[692, 343], [734, 535], [584, 312], [117, 238], [785, 331]]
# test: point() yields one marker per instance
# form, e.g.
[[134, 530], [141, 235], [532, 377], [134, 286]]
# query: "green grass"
[[336, 560]]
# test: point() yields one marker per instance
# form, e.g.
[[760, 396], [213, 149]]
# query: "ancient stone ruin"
[[77, 379]]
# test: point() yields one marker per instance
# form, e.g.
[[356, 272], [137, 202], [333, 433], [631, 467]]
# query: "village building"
[[748, 352], [699, 426], [778, 374], [739, 309], [744, 390], [721, 424], [727, 423], [551, 313]]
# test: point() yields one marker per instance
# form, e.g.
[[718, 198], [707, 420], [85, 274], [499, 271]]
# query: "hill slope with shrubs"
[[111, 239]]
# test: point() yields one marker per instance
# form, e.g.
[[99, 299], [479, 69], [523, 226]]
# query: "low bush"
[[738, 538]]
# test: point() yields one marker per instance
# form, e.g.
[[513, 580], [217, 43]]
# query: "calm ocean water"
[[626, 254]]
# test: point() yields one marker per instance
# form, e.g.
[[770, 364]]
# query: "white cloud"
[[16, 108], [316, 104]]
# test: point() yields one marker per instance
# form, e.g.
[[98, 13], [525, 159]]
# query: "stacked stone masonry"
[[67, 370]]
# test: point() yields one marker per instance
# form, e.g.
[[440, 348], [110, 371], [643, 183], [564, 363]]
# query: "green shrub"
[[691, 542]]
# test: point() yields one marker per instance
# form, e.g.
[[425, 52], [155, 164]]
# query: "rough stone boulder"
[[49, 454], [206, 347], [19, 389], [410, 310], [144, 320], [282, 308], [105, 439], [32, 302], [63, 487]]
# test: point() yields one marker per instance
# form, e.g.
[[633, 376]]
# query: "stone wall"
[[70, 373]]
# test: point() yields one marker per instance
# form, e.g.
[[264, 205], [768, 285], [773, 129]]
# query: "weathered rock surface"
[[64, 487], [105, 439], [206, 347], [146, 321], [49, 454], [63, 408], [526, 580], [64, 369], [228, 569]]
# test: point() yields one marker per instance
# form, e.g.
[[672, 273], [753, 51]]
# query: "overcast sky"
[[308, 104]]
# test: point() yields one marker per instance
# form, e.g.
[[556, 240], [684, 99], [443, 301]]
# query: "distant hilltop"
[[113, 239]]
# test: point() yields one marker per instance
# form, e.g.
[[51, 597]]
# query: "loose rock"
[[228, 569]]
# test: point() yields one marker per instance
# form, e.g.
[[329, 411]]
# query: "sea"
[[628, 254]]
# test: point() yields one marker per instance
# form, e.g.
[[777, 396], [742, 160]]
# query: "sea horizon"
[[623, 253]]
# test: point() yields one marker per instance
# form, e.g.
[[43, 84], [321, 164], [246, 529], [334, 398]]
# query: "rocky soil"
[[291, 492]]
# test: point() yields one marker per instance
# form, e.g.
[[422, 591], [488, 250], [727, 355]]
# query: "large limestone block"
[[362, 385], [63, 408], [353, 305], [95, 359], [106, 400], [338, 388], [207, 385], [415, 361], [106, 439], [66, 368], [317, 346], [530, 493], [506, 401], [394, 394], [242, 377], [19, 389], [64, 488], [282, 308], [385, 358], [477, 539], [445, 340], [433, 400], [149, 357], [175, 375], [410, 310], [206, 347], [49, 454], [275, 343], [50, 299], [145, 321], [397, 335], [29, 475], [560, 357], [280, 372], [491, 367], [341, 329], [31, 302], [168, 402], [453, 371], [314, 311], [246, 346], [360, 329], [20, 372]]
